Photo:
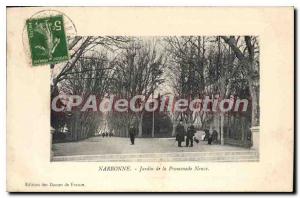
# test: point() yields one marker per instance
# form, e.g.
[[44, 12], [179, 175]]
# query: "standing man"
[[190, 135], [209, 140], [180, 133], [132, 132]]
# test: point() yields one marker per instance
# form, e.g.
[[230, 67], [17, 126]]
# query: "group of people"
[[107, 134], [180, 134], [211, 137], [190, 133]]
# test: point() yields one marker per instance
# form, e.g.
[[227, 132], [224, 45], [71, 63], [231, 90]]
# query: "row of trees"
[[215, 65], [124, 67], [189, 66], [138, 71], [88, 72]]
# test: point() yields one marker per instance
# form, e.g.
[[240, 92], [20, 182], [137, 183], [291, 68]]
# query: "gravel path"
[[117, 145]]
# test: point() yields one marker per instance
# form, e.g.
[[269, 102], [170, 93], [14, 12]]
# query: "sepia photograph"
[[159, 98]]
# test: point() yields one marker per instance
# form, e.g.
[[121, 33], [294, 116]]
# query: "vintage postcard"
[[150, 99]]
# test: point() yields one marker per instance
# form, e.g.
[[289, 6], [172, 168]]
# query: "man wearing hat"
[[132, 133], [180, 133], [190, 135]]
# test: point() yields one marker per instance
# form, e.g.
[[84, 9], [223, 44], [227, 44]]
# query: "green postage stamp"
[[47, 40]]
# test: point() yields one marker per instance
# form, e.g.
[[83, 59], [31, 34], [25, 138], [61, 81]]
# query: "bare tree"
[[249, 61], [209, 66], [138, 71], [78, 46], [187, 70], [89, 76]]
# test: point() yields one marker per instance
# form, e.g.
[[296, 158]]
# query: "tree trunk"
[[127, 132], [222, 129], [254, 104], [173, 130], [75, 126], [140, 120]]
